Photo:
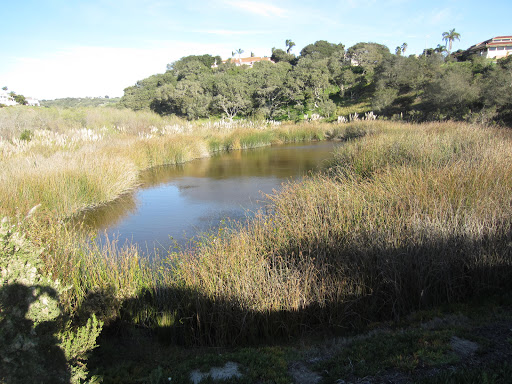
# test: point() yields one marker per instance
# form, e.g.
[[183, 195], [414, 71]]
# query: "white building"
[[33, 102], [495, 48], [6, 99], [244, 61]]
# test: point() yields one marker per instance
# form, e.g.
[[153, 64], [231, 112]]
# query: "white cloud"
[[81, 71], [259, 8]]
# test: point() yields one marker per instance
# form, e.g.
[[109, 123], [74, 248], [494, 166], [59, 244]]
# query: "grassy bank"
[[73, 159], [406, 217]]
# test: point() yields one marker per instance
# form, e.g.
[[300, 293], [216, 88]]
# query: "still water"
[[175, 204]]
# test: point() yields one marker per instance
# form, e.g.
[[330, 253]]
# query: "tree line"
[[325, 76]]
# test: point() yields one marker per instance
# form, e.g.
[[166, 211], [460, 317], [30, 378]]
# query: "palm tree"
[[449, 37], [398, 51], [440, 48], [239, 51], [289, 45], [404, 47]]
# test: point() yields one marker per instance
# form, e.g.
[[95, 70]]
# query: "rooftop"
[[494, 41]]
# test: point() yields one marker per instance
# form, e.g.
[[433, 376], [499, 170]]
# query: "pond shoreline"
[[194, 196]]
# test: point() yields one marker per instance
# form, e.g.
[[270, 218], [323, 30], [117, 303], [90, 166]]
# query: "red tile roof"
[[491, 42]]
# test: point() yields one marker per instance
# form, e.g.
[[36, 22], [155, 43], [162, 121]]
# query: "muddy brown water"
[[177, 205]]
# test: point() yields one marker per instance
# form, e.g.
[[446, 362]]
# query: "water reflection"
[[175, 203]]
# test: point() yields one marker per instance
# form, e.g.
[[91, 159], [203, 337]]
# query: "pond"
[[175, 205]]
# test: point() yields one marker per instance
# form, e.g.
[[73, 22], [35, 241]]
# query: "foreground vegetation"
[[405, 218], [456, 344]]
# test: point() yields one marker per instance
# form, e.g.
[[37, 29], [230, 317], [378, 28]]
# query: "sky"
[[94, 48]]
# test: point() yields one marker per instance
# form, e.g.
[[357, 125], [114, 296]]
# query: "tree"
[[280, 55], [192, 65], [232, 93], [398, 51], [289, 45], [322, 48], [497, 89], [188, 98], [239, 51], [367, 55], [440, 48], [347, 79], [312, 77], [427, 52], [396, 76], [141, 95], [449, 37], [271, 83], [404, 47], [20, 99], [454, 93]]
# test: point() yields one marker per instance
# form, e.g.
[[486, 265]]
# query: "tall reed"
[[405, 217], [410, 217], [75, 159]]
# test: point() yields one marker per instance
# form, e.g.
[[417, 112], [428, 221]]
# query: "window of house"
[[509, 48], [501, 48], [492, 49]]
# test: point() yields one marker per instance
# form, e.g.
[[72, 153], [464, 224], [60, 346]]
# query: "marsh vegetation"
[[405, 217]]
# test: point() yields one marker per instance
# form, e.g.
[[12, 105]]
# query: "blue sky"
[[79, 48]]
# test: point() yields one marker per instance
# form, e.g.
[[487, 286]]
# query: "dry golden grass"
[[68, 160], [413, 216], [406, 217]]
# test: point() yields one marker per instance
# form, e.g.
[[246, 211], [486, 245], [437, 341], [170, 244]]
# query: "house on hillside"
[[495, 48], [6, 99], [244, 61]]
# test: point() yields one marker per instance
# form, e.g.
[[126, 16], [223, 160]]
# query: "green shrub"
[[26, 135], [37, 344]]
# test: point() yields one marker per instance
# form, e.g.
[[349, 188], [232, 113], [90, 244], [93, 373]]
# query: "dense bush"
[[37, 342]]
